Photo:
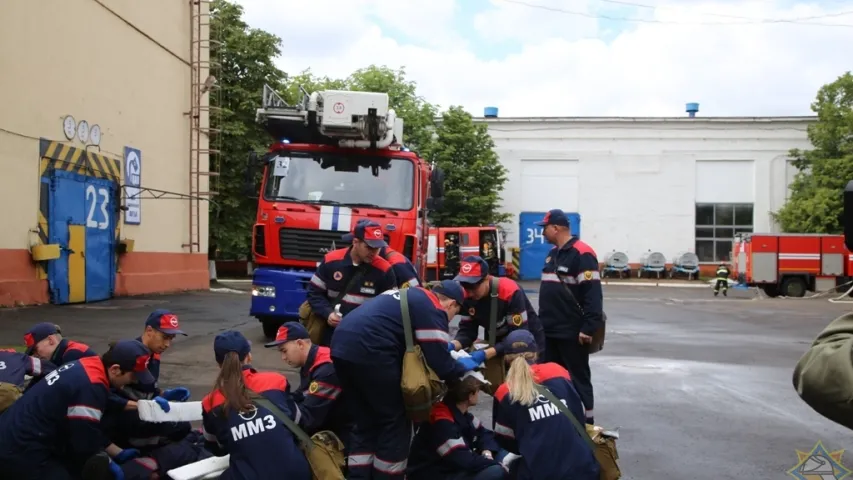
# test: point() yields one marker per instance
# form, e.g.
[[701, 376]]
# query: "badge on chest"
[[368, 288]]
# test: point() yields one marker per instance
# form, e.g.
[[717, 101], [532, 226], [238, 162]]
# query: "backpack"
[[419, 383], [9, 393]]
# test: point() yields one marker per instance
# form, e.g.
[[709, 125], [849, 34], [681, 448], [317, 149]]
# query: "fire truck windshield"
[[387, 183]]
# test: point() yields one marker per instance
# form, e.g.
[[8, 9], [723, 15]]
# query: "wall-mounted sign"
[[69, 126], [132, 182]]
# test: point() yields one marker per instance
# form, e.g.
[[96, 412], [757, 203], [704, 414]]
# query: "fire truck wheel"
[[794, 287], [270, 327]]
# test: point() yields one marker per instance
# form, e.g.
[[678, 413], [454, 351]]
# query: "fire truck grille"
[[308, 245]]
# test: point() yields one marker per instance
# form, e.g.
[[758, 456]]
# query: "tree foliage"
[[816, 201], [475, 177], [246, 56]]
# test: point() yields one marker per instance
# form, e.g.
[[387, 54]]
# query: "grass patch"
[[17, 348]]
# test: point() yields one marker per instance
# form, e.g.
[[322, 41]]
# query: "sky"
[[577, 57]]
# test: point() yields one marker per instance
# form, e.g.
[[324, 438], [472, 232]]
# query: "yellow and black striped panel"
[[59, 156], [516, 262]]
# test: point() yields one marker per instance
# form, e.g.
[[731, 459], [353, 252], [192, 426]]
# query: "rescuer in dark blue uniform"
[[570, 303], [514, 310], [340, 267], [367, 351], [528, 424], [320, 397], [454, 444], [44, 340], [53, 430], [260, 445], [404, 269], [122, 419], [15, 366]]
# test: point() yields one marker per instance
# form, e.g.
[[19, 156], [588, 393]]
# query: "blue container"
[[534, 248], [490, 112]]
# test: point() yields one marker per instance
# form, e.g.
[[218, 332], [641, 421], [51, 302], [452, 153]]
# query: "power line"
[[747, 20]]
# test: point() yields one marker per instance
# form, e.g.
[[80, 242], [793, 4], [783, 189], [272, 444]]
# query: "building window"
[[716, 226]]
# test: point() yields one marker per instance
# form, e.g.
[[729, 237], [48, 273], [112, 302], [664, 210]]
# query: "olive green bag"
[[8, 395]]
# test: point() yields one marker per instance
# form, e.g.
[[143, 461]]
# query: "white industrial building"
[[669, 185]]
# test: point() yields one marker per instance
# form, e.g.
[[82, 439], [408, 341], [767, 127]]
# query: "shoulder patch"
[[548, 259], [472, 311], [404, 285], [587, 275], [313, 387], [517, 320], [336, 255], [337, 275]]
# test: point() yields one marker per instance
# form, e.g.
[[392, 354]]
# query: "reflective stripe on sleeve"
[[393, 468], [83, 412], [360, 460], [315, 280], [432, 336], [448, 446], [504, 430]]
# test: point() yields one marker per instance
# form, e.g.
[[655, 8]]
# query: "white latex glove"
[[509, 458]]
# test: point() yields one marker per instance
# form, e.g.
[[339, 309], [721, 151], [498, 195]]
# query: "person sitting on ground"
[[455, 445], [528, 424], [259, 443]]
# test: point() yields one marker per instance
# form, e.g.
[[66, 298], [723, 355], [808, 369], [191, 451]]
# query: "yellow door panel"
[[77, 264]]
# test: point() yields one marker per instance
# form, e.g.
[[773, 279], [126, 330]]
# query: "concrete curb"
[[657, 284]]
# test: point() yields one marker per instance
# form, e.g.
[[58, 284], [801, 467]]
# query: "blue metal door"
[[82, 221], [66, 274], [534, 248], [101, 215]]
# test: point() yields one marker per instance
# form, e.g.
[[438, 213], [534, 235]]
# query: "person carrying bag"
[[317, 325], [604, 447], [495, 368], [324, 450], [420, 384]]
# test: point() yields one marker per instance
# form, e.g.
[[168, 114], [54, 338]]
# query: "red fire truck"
[[337, 158], [790, 264], [448, 245]]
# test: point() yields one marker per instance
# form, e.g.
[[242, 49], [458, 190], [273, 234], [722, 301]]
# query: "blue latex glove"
[[479, 356], [164, 404], [117, 472], [125, 455], [451, 347], [468, 362], [177, 394]]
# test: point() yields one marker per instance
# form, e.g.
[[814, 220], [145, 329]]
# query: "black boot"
[[97, 467]]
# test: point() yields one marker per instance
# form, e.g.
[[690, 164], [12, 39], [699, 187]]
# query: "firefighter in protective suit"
[[722, 280]]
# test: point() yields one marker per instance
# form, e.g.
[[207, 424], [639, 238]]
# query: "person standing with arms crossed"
[[570, 304]]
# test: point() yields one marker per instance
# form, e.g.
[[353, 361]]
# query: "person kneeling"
[[455, 445]]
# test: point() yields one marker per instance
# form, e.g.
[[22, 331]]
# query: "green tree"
[[815, 204], [474, 176], [246, 56], [292, 94]]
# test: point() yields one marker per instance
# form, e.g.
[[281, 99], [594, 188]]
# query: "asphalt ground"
[[700, 387]]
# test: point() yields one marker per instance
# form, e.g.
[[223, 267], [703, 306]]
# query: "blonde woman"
[[526, 423]]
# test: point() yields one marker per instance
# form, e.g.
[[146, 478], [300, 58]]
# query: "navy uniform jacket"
[[321, 401], [451, 443], [69, 350], [404, 270], [15, 366], [260, 445], [576, 266], [549, 445], [373, 334], [59, 418], [514, 312], [332, 276]]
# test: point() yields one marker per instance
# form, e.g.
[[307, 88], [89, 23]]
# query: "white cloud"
[[558, 66]]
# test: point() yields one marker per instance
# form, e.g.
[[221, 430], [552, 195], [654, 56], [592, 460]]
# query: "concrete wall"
[[123, 66], [634, 181]]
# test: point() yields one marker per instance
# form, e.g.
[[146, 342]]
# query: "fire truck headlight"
[[263, 291]]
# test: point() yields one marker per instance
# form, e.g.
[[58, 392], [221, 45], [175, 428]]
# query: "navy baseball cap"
[[288, 332], [473, 269], [554, 217], [451, 289], [520, 341], [230, 341], [164, 321], [39, 332], [369, 231], [132, 355]]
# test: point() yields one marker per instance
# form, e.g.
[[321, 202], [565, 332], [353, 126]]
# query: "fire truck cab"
[[448, 245], [790, 264], [337, 158]]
